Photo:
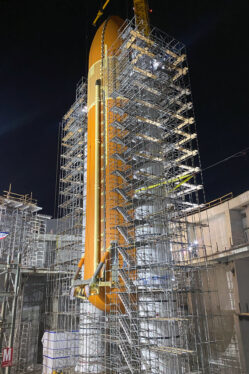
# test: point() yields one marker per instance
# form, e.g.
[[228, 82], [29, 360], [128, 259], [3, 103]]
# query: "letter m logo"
[[7, 357]]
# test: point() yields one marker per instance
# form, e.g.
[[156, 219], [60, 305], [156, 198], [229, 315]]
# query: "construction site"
[[136, 273]]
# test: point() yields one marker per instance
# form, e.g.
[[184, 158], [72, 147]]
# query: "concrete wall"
[[242, 273], [244, 328], [220, 230], [238, 234], [242, 278], [222, 227]]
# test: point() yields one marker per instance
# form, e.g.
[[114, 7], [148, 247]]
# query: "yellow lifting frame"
[[184, 179]]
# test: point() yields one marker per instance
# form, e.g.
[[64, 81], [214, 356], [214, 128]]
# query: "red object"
[[150, 10], [7, 357], [3, 234]]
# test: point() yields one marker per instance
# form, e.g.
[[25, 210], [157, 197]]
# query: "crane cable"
[[185, 178], [238, 154]]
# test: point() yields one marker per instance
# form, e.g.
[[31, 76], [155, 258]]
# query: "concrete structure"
[[225, 229], [224, 234]]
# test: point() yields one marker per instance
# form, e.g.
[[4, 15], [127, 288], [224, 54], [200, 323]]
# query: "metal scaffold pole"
[[23, 253], [14, 306]]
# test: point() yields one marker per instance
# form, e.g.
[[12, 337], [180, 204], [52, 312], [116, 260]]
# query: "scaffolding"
[[161, 326], [22, 251], [62, 310], [163, 322]]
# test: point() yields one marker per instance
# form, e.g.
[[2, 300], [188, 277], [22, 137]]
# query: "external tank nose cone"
[[106, 34]]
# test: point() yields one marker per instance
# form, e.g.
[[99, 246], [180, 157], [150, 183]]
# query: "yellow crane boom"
[[100, 12], [141, 11]]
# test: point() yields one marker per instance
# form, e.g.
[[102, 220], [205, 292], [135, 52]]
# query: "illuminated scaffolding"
[[62, 310], [167, 325], [163, 328], [163, 322], [21, 252]]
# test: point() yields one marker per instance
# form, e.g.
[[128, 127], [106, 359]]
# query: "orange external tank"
[[100, 198]]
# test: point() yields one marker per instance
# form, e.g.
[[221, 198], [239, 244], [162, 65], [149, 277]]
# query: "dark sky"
[[44, 46]]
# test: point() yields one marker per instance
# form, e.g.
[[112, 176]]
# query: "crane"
[[141, 11]]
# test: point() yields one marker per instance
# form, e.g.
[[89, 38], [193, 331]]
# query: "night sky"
[[44, 48]]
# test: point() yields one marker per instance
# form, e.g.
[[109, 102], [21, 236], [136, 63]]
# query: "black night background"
[[44, 48]]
